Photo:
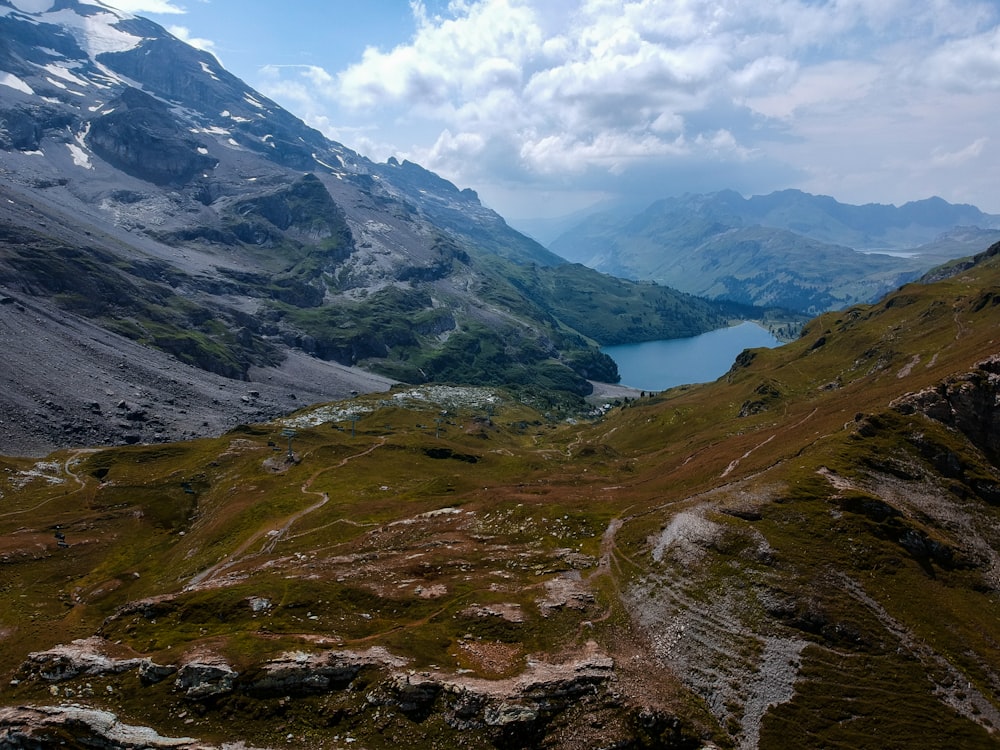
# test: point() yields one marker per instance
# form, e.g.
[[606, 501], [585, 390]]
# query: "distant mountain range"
[[805, 252], [146, 190]]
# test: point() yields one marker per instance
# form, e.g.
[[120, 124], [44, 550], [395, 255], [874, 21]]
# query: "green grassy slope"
[[800, 554]]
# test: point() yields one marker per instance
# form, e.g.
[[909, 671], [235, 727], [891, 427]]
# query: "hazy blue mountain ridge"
[[805, 252]]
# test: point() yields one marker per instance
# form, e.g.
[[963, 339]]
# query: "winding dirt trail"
[[71, 461], [608, 564], [67, 468], [272, 536], [736, 461]]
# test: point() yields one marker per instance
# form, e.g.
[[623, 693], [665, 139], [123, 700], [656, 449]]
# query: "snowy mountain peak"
[[66, 70], [93, 24], [82, 7]]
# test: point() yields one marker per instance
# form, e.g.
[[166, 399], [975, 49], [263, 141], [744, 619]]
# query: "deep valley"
[[298, 449]]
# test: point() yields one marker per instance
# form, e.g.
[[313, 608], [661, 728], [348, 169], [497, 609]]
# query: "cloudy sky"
[[548, 106]]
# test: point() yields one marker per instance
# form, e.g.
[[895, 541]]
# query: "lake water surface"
[[658, 365]]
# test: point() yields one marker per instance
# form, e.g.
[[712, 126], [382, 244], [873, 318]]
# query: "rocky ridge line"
[[520, 706]]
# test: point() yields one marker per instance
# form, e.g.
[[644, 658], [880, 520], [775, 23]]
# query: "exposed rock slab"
[[31, 727]]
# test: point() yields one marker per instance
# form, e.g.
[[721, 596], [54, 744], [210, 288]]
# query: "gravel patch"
[[67, 382]]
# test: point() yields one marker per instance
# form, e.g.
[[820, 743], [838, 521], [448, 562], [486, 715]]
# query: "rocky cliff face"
[[35, 728], [969, 403], [545, 701], [139, 136]]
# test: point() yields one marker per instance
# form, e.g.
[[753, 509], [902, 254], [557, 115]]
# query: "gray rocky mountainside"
[[791, 249], [213, 243]]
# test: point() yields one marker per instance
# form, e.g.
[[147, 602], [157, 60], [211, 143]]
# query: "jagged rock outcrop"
[[151, 673], [140, 136], [39, 727], [88, 657], [522, 706], [299, 673], [24, 126], [969, 403], [206, 677], [80, 658]]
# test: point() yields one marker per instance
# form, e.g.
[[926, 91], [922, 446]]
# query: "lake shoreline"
[[655, 366], [610, 391]]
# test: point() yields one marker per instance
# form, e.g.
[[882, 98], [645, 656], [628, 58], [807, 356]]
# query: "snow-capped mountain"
[[72, 73], [79, 56], [149, 192]]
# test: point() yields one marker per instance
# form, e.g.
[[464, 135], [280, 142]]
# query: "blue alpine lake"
[[658, 365]]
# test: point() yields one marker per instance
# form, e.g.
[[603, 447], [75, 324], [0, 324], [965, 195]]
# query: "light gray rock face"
[[36, 727], [201, 680], [76, 659], [301, 673], [522, 706], [969, 403]]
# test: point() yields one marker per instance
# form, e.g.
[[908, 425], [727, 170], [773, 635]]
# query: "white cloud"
[[145, 6], [942, 158], [539, 93], [306, 89], [764, 74], [184, 34], [834, 84], [968, 64], [456, 58]]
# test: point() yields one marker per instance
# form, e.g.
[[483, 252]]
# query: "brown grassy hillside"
[[802, 554]]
